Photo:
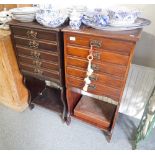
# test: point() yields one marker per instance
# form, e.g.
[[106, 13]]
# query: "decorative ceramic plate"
[[24, 10], [139, 23]]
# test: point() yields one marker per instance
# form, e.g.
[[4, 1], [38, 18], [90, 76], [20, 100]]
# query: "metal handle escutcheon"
[[38, 71], [95, 67], [33, 44], [93, 78], [31, 34], [92, 87], [96, 43], [37, 63]]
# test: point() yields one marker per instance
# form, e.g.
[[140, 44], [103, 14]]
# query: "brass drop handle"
[[37, 63], [38, 71], [93, 78], [92, 87], [97, 55], [96, 43], [31, 34], [95, 67], [33, 44], [36, 54]]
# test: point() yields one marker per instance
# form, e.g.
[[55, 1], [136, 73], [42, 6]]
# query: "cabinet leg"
[[31, 106], [68, 120], [63, 99], [108, 136]]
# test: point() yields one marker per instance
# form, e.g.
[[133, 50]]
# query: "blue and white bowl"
[[122, 16], [96, 18], [51, 18]]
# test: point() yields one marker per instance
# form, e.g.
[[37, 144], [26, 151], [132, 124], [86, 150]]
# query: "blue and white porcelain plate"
[[139, 23]]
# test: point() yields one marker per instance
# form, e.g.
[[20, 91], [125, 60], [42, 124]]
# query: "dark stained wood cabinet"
[[39, 52], [112, 54]]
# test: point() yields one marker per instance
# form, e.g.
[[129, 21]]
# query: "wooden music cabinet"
[[112, 54], [39, 52]]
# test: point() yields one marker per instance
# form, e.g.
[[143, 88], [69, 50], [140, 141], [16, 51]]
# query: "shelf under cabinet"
[[95, 112], [50, 98], [43, 95]]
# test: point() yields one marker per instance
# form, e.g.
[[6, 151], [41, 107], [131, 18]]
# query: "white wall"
[[145, 50]]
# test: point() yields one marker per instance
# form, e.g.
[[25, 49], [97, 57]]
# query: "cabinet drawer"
[[95, 78], [120, 46], [99, 55], [34, 33], [38, 63], [52, 57], [96, 89], [46, 74], [34, 44], [114, 70]]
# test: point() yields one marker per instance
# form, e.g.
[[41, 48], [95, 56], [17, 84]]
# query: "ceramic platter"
[[139, 23], [24, 10]]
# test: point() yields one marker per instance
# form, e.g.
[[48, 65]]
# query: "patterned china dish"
[[51, 18], [75, 20], [95, 18], [24, 14], [122, 16]]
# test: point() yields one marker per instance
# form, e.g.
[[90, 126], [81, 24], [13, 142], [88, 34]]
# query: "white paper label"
[[72, 38]]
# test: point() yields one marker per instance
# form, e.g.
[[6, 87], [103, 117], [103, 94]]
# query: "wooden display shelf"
[[50, 99], [43, 95], [95, 112]]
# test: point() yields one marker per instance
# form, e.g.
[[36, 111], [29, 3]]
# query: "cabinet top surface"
[[130, 35], [33, 25]]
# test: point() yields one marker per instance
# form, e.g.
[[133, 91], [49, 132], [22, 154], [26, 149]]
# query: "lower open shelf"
[[95, 112], [50, 98], [43, 95]]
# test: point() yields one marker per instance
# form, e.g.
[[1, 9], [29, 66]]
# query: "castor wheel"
[[31, 106], [68, 120]]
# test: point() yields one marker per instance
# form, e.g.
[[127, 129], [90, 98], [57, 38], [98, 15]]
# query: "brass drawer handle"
[[97, 55], [93, 78], [33, 44], [92, 87], [31, 34], [37, 63], [35, 54], [96, 43], [95, 67], [38, 71]]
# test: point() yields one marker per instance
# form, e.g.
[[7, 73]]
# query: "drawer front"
[[34, 44], [99, 55], [95, 78], [119, 46], [46, 74], [39, 63], [34, 33], [52, 57], [114, 70], [96, 89]]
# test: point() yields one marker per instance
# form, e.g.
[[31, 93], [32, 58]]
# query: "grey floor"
[[43, 129]]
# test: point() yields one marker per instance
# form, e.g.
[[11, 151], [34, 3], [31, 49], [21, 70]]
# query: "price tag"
[[72, 38]]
